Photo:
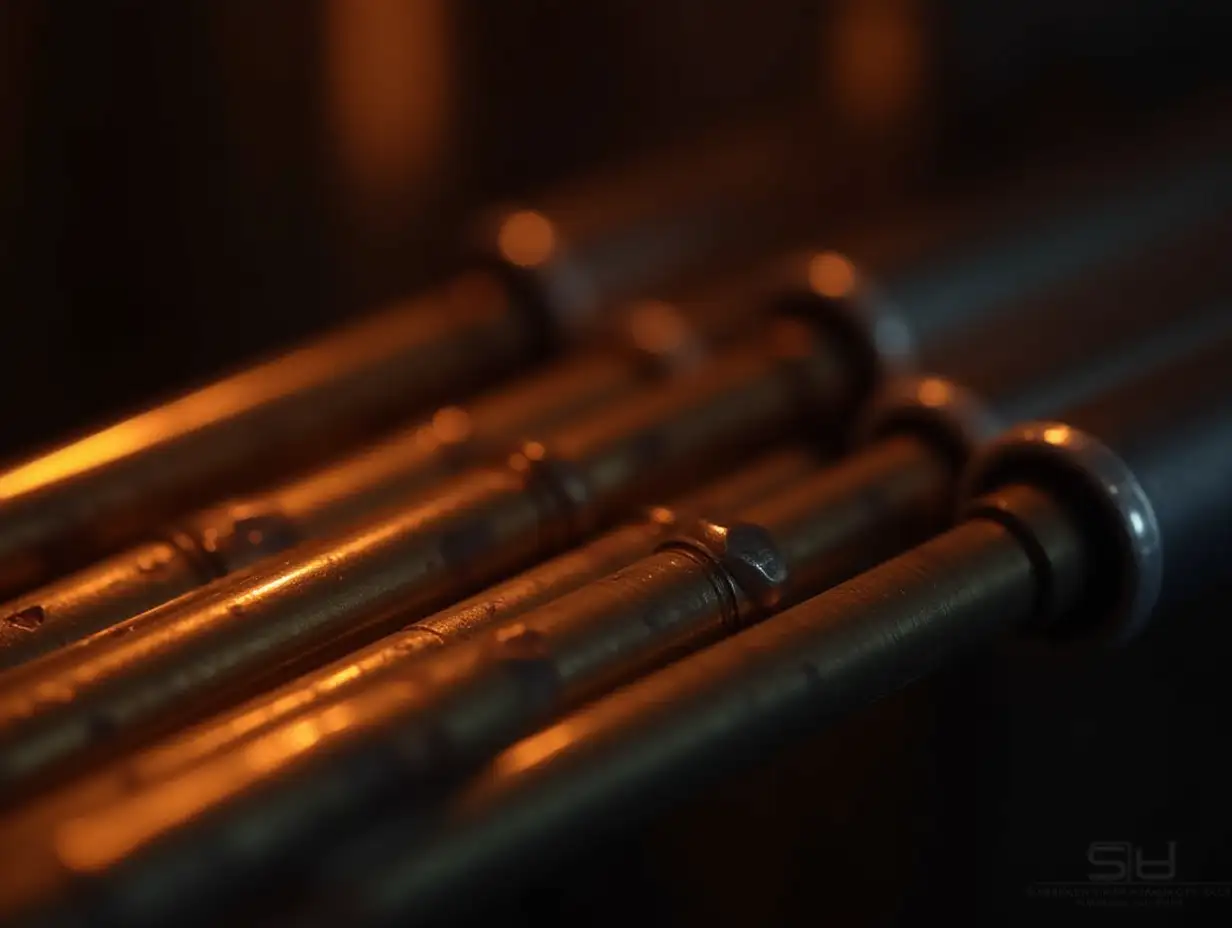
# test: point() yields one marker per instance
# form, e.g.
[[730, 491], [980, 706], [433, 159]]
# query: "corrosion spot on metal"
[[27, 619], [519, 641], [150, 562]]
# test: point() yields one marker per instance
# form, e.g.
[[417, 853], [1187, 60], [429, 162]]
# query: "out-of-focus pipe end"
[[947, 415], [561, 491], [529, 254], [828, 290]]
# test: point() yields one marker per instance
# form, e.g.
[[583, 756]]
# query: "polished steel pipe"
[[241, 633], [642, 343], [504, 601], [385, 723], [1059, 545], [538, 278]]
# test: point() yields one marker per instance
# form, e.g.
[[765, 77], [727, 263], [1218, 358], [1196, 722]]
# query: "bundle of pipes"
[[534, 281], [1072, 528], [1052, 368]]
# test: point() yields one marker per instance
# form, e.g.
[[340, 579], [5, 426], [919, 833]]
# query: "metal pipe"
[[901, 287], [1117, 321], [471, 848], [407, 725], [642, 343], [628, 754], [519, 681], [239, 634], [1164, 300], [1031, 556], [504, 601], [1148, 464], [477, 694], [113, 487], [63, 508]]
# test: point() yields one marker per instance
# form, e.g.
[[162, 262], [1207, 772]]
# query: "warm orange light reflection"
[[662, 515], [1057, 434], [452, 424], [533, 750], [99, 839], [657, 327], [933, 392], [526, 238], [135, 434], [294, 373], [831, 275], [264, 712]]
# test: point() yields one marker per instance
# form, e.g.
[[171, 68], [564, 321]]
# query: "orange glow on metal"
[[661, 515], [451, 424], [534, 451], [526, 238], [92, 843], [534, 750], [1057, 434], [831, 275], [157, 426], [97, 840], [265, 384], [265, 711], [933, 392], [657, 327]]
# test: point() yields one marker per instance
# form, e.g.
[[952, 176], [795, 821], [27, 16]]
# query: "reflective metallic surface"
[[241, 633], [657, 739], [741, 401], [376, 634], [504, 601], [90, 496], [646, 341], [906, 289], [398, 721], [625, 233], [466, 701], [175, 662], [1151, 459], [229, 537], [68, 609], [1158, 302]]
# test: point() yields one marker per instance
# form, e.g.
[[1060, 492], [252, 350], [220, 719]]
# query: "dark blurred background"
[[183, 185], [187, 185]]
